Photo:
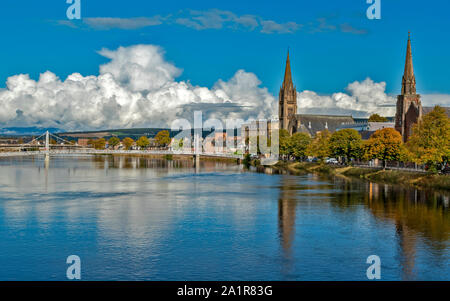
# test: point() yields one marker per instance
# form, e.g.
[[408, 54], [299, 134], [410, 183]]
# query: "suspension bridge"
[[35, 148]]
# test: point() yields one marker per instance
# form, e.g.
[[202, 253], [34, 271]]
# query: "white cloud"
[[195, 19], [216, 19], [363, 98], [430, 100], [122, 23], [269, 26], [137, 88]]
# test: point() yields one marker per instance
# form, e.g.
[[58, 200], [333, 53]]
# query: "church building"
[[409, 108], [307, 123]]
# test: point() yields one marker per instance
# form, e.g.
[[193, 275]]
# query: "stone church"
[[307, 123], [409, 107]]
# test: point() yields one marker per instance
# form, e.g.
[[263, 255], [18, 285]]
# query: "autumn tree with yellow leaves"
[[320, 146], [386, 145], [430, 141]]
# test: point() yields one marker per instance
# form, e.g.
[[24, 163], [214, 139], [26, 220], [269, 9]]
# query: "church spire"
[[409, 80], [287, 83], [287, 99]]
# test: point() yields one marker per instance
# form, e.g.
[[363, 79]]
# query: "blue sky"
[[332, 43], [323, 61]]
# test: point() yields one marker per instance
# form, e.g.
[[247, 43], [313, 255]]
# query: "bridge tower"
[[47, 143], [197, 150], [47, 151]]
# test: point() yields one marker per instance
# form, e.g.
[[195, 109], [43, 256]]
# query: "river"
[[136, 218]]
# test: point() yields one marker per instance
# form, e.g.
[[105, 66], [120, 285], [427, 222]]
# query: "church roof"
[[316, 123]]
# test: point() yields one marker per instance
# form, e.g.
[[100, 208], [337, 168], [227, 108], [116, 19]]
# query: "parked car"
[[312, 160], [446, 169], [332, 161]]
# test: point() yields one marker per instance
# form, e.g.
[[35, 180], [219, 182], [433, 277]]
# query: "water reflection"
[[286, 216], [416, 214], [148, 218]]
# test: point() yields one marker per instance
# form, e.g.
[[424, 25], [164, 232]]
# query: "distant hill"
[[26, 131], [120, 133]]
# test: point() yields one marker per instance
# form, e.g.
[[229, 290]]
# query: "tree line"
[[162, 139], [429, 143]]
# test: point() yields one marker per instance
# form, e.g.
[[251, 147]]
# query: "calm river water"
[[131, 218]]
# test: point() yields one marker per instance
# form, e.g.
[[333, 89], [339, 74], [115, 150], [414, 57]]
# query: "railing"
[[392, 166], [118, 152]]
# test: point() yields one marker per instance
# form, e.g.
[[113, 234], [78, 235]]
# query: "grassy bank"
[[416, 179]]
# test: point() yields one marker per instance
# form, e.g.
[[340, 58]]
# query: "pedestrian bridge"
[[117, 152], [48, 149]]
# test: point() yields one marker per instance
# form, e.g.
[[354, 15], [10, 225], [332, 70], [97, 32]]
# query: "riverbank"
[[416, 179]]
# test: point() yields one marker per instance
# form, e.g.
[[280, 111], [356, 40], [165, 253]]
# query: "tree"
[[163, 138], [346, 143], [430, 141], [320, 146], [283, 140], [377, 118], [99, 143], [114, 141], [385, 144], [298, 145], [143, 142], [127, 142]]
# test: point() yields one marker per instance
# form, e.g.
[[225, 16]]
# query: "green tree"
[[298, 145], [113, 141], [386, 145], [377, 118], [143, 142], [99, 143], [320, 146], [284, 142], [163, 138], [127, 142], [346, 143], [430, 141]]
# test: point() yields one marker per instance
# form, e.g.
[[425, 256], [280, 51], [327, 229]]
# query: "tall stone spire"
[[287, 83], [409, 106], [409, 80], [287, 98]]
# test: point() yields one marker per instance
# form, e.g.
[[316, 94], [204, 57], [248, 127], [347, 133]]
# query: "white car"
[[332, 161]]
